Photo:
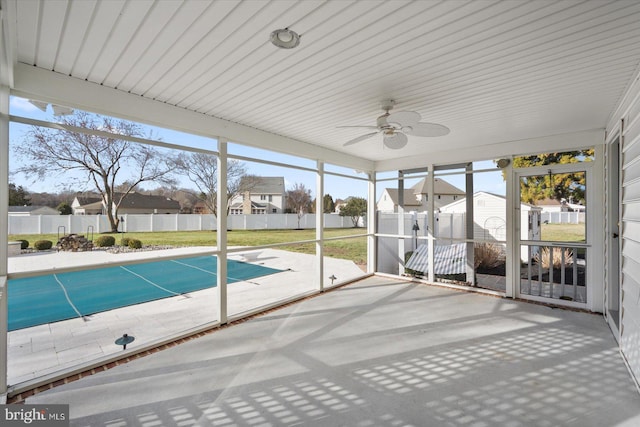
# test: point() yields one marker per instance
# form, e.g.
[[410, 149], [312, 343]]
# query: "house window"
[[263, 197], [439, 197], [270, 198], [274, 210]]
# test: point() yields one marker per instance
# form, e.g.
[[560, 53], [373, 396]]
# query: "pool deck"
[[46, 349]]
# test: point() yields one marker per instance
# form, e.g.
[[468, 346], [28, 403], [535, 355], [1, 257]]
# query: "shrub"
[[135, 244], [43, 245], [125, 241], [24, 244], [543, 257], [488, 255], [409, 271], [105, 241]]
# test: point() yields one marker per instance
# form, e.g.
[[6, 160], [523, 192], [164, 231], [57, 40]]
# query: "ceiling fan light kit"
[[396, 126]]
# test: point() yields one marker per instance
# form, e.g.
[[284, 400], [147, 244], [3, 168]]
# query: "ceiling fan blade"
[[404, 118], [426, 129], [360, 138], [361, 127], [395, 141]]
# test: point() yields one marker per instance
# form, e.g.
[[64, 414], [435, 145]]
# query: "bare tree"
[[299, 200], [104, 159], [202, 171]]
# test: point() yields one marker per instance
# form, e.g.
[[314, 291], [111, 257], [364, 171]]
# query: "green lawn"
[[352, 249], [563, 232]]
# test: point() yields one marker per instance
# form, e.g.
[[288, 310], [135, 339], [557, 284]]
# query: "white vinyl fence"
[[563, 217], [391, 250], [80, 224]]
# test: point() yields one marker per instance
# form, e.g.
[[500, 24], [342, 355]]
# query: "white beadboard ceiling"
[[492, 71]]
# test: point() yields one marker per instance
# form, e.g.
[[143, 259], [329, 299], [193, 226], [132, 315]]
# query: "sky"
[[337, 187]]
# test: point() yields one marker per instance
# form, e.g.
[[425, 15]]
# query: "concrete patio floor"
[[379, 352]]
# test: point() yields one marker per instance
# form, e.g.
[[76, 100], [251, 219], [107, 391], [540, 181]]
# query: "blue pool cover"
[[54, 297]]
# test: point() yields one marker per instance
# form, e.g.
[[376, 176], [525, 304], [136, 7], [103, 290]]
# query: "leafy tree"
[[299, 200], [64, 208], [18, 196], [569, 186], [355, 208], [202, 170], [328, 206], [103, 159]]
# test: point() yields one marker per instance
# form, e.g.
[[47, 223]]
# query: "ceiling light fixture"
[[285, 38]]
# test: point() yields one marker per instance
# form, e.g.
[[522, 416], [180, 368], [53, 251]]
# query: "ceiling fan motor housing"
[[382, 121]]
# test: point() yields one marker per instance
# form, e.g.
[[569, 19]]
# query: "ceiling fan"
[[396, 126]]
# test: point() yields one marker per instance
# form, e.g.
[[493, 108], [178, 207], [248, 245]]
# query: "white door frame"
[[613, 240], [592, 286]]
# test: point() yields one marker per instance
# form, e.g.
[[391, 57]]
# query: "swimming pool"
[[53, 297]]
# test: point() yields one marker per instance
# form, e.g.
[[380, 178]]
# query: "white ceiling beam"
[[35, 83], [8, 43], [545, 144]]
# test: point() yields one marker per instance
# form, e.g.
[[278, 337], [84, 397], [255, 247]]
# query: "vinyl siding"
[[630, 278]]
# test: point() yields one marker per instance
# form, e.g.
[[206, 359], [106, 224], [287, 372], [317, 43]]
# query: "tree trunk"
[[114, 222]]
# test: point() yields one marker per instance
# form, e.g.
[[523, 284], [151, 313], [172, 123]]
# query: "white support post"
[[320, 225], [470, 231], [4, 226], [221, 217], [400, 223], [513, 250], [372, 266], [431, 276]]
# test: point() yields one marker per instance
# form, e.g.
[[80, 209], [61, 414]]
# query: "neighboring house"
[[553, 205], [84, 204], [266, 196], [133, 203], [32, 210], [339, 204], [416, 198], [389, 201]]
